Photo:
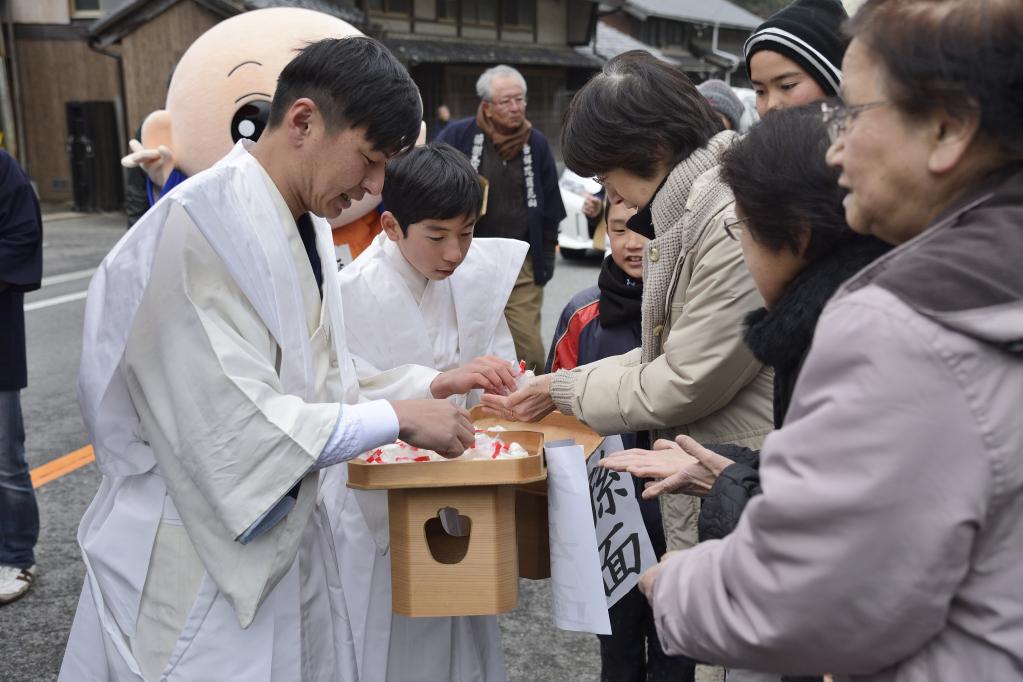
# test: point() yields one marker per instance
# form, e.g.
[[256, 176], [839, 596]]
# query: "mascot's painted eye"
[[249, 120]]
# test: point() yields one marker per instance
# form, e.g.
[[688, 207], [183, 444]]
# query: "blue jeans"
[[19, 515]]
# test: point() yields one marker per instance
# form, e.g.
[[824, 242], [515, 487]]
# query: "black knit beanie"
[[809, 32]]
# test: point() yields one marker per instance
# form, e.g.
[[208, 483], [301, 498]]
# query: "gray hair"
[[484, 86]]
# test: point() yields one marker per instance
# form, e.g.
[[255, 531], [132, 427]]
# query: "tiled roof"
[[135, 13], [436, 50], [610, 42], [697, 11]]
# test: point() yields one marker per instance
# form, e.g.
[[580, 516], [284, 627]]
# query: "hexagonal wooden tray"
[[456, 473]]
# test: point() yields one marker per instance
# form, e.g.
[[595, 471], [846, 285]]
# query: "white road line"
[[56, 300], [68, 277]]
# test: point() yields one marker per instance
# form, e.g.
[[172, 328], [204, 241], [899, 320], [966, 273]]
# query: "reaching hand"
[[157, 163], [437, 425], [648, 580], [529, 404], [713, 461], [674, 464], [490, 373], [664, 460]]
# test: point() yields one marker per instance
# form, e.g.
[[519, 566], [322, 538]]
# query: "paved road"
[[33, 631]]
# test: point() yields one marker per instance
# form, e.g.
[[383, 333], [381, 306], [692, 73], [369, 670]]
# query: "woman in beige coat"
[[648, 135]]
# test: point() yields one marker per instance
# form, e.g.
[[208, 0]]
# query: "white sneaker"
[[15, 582]]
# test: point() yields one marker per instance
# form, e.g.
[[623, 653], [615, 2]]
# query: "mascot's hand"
[[157, 163]]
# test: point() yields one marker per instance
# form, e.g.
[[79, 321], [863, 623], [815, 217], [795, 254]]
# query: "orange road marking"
[[62, 466]]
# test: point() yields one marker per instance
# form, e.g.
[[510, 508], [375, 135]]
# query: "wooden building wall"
[[53, 72], [151, 51]]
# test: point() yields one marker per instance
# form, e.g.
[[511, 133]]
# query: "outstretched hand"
[[488, 372], [529, 404], [683, 466], [665, 459]]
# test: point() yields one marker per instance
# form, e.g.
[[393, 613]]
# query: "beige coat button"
[[658, 329], [655, 254]]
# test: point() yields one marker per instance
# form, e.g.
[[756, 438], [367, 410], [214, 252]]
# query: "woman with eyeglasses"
[[645, 131], [888, 541]]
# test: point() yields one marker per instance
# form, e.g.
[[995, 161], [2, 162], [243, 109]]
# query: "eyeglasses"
[[733, 228], [507, 102], [599, 179], [839, 116]]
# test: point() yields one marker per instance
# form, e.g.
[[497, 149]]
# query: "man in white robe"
[[213, 368], [425, 292]]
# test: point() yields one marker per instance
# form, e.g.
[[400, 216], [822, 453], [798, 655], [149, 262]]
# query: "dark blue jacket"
[[545, 217], [21, 267], [580, 339]]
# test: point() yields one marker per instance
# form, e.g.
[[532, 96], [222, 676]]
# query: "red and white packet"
[[524, 376]]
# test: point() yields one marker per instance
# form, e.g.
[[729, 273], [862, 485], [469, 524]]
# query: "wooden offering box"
[[452, 529], [531, 521]]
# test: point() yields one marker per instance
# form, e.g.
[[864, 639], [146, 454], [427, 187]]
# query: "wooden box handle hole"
[[448, 535]]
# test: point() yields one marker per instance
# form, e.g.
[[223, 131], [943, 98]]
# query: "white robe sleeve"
[[406, 382], [360, 428]]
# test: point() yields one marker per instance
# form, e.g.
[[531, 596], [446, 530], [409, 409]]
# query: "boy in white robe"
[[424, 292], [213, 372]]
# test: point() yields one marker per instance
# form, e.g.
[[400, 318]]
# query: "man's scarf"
[[509, 142]]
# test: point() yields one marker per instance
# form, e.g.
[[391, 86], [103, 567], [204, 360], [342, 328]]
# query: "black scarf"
[[781, 338], [620, 295], [643, 221]]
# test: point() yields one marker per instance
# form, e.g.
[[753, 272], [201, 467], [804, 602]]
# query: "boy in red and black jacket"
[[597, 323], [604, 320]]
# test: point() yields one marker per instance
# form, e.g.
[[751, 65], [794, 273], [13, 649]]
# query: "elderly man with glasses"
[[524, 201]]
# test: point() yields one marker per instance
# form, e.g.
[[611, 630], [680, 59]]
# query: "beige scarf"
[[679, 221]]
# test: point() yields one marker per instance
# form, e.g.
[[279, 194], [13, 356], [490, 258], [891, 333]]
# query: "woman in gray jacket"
[[888, 541]]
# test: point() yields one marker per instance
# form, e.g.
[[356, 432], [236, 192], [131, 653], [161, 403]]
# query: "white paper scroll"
[[576, 583]]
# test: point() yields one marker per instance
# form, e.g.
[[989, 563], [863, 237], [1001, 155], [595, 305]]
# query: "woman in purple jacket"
[[887, 542]]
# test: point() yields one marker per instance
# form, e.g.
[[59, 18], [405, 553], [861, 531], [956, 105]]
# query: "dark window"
[[648, 32], [479, 12], [519, 13], [674, 33], [447, 9], [88, 8], [514, 13], [390, 6], [663, 33]]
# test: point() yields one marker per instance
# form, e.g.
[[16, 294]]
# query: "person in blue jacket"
[[524, 201], [21, 270], [599, 322]]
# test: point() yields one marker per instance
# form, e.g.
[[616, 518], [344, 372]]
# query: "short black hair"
[[431, 182], [783, 185], [636, 114], [354, 81]]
